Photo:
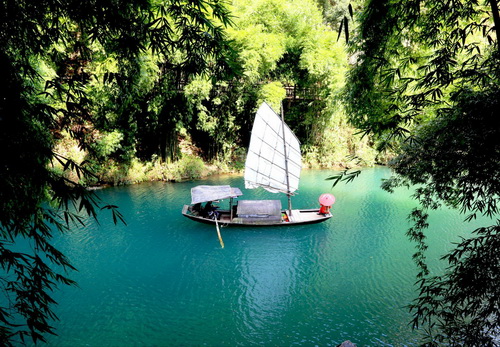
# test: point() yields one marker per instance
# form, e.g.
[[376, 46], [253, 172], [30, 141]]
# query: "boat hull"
[[297, 217]]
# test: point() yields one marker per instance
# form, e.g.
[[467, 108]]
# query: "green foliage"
[[426, 80], [336, 13], [259, 50], [273, 93], [107, 144], [286, 44], [402, 76], [337, 144], [189, 168], [457, 155]]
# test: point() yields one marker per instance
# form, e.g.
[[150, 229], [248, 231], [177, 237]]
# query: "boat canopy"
[[201, 194], [259, 211], [266, 163]]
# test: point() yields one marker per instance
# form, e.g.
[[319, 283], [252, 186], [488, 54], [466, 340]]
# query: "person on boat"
[[196, 209], [210, 211], [324, 210], [206, 209], [284, 217]]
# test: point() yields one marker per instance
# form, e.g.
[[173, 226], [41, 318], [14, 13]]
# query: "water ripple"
[[164, 280]]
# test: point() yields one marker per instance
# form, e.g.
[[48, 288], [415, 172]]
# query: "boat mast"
[[286, 160]]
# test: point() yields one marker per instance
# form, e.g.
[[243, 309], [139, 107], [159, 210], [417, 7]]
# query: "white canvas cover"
[[211, 193], [259, 208], [265, 162]]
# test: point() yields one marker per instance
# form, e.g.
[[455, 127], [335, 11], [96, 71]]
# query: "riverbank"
[[186, 169], [190, 166]]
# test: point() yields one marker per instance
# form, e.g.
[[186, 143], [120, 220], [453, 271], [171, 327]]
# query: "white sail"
[[265, 165]]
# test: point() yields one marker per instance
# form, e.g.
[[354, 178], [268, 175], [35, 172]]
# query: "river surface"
[[164, 280]]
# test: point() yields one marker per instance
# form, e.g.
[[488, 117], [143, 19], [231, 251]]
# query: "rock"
[[347, 344]]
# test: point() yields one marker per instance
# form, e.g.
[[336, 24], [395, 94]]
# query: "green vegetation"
[[100, 92], [153, 110]]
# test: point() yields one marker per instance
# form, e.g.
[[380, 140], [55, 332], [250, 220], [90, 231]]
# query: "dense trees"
[[149, 108], [285, 44], [426, 82]]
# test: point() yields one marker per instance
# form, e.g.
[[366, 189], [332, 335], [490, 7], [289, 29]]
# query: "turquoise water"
[[164, 280]]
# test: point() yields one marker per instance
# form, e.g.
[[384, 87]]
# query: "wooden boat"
[[245, 212], [274, 163]]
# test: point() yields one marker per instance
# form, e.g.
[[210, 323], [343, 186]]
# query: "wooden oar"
[[218, 232]]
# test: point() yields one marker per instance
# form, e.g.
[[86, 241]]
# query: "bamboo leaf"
[[346, 28], [340, 28]]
